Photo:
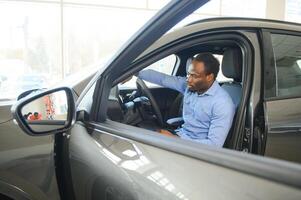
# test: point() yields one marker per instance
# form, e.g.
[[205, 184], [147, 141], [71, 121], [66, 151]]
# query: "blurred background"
[[43, 42]]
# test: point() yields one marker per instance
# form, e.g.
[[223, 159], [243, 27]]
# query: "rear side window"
[[287, 55]]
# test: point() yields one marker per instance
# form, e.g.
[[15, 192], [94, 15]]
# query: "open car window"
[[165, 65], [133, 106]]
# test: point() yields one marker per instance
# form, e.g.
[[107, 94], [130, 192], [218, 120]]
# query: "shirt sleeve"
[[173, 82], [220, 125]]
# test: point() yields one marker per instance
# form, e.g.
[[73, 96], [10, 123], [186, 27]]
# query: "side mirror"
[[48, 112], [26, 93]]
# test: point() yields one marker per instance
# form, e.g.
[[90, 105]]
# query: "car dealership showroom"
[[150, 99]]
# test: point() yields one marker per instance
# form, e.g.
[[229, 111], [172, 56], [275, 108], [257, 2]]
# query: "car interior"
[[154, 107]]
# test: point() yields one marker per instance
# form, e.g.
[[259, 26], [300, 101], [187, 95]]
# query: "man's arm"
[[172, 82], [221, 122]]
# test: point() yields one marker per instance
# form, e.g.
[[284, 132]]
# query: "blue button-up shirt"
[[207, 117]]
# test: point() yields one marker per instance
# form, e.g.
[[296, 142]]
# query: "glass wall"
[[30, 48], [43, 42], [293, 11]]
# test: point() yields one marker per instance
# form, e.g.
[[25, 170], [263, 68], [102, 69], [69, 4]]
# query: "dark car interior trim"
[[62, 166], [268, 83]]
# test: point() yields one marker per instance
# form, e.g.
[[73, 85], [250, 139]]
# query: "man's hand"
[[166, 132]]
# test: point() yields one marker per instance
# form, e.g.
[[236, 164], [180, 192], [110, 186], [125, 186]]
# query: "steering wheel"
[[143, 89]]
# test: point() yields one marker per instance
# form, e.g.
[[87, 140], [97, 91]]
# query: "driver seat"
[[232, 68]]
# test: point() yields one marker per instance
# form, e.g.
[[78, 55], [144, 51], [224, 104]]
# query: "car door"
[[102, 159], [283, 96]]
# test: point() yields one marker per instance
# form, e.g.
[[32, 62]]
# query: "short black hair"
[[210, 62]]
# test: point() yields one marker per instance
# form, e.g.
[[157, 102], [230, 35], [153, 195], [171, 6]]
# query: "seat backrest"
[[232, 68]]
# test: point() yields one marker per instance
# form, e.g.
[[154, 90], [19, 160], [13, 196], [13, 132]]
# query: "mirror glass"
[[47, 113]]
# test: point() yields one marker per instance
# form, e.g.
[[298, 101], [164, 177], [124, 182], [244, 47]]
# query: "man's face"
[[197, 79]]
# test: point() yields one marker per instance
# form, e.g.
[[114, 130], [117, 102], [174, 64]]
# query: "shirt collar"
[[211, 91]]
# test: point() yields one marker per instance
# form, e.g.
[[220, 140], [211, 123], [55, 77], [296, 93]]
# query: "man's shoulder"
[[221, 92], [223, 96]]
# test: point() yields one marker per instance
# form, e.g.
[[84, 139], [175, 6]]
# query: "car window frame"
[[236, 36], [269, 62]]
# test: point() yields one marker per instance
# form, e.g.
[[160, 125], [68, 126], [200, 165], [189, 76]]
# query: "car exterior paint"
[[134, 170]]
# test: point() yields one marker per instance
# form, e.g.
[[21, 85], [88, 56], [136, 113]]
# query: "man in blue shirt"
[[208, 110]]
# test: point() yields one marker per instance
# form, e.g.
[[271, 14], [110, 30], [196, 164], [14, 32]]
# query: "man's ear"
[[210, 77]]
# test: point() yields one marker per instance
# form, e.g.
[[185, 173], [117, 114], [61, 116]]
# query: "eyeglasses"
[[193, 75]]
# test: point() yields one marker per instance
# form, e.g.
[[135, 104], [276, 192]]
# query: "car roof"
[[220, 23], [249, 22]]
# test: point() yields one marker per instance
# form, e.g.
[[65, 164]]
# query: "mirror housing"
[[26, 93], [47, 112]]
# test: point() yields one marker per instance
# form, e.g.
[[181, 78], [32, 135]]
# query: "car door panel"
[[26, 163], [282, 95], [105, 166], [284, 129]]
